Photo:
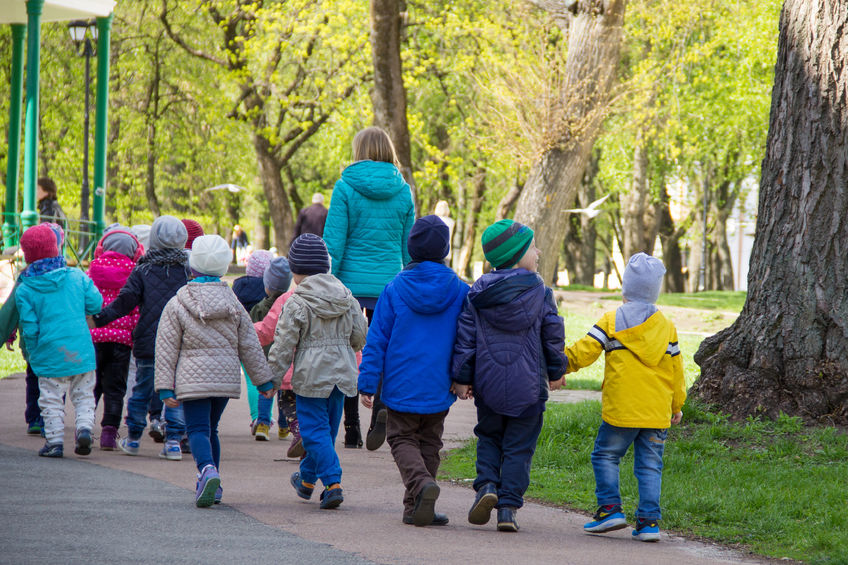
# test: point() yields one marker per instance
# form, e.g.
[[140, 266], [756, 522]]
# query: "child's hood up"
[[325, 295], [509, 299], [428, 288], [649, 340], [374, 179], [209, 301]]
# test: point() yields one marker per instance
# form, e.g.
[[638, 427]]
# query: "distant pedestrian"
[[239, 243], [443, 212], [643, 395], [312, 218], [49, 209]]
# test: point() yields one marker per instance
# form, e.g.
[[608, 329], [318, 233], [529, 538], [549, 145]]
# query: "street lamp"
[[82, 32]]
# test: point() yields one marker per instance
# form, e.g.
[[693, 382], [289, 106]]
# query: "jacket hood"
[[209, 301], [325, 295], [111, 270], [649, 340], [509, 299], [428, 287], [49, 281], [374, 179]]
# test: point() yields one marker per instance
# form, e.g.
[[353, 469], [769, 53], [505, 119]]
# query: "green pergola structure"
[[26, 17]]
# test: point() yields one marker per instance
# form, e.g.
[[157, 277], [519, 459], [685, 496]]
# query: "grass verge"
[[726, 301], [11, 362], [774, 488]]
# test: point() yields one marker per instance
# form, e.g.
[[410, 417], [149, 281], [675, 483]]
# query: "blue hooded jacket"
[[371, 213], [411, 337], [509, 342], [52, 309]]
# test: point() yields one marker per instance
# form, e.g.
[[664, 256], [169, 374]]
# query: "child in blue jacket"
[[53, 301], [410, 342], [508, 354]]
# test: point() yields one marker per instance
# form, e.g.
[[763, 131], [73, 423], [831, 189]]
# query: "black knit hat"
[[308, 255], [429, 239]]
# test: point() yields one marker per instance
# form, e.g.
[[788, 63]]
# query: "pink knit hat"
[[258, 262], [39, 242]]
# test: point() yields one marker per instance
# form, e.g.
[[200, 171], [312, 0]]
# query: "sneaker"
[[439, 519], [353, 437], [506, 519], [171, 451], [184, 446], [52, 450], [608, 518], [219, 494], [157, 431], [283, 432], [34, 428], [208, 482], [481, 510], [82, 445], [646, 530], [109, 438], [425, 502], [129, 446], [261, 432], [302, 490], [332, 497], [377, 435], [253, 424]]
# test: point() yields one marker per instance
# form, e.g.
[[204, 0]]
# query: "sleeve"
[[9, 315], [286, 337], [127, 300], [28, 319], [360, 327], [586, 350], [553, 339], [265, 327], [93, 298], [465, 347], [251, 354], [335, 228], [169, 342], [374, 354], [679, 381], [407, 227]]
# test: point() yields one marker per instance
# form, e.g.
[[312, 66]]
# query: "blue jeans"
[[202, 416], [505, 448], [137, 405], [648, 446], [319, 420]]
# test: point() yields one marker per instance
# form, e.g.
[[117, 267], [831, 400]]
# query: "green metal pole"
[[101, 123], [29, 216], [13, 164]]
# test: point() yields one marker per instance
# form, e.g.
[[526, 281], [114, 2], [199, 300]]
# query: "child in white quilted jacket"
[[203, 335]]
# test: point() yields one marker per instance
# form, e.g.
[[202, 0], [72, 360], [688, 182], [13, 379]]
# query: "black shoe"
[[377, 434], [439, 519], [353, 437], [506, 519], [481, 510], [425, 505]]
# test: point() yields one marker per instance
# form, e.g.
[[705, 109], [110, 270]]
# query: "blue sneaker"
[[52, 450], [129, 446], [332, 497], [608, 518], [301, 489], [82, 446], [219, 494], [646, 530], [34, 428], [208, 482], [171, 451]]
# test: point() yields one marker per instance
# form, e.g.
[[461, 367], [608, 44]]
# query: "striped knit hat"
[[308, 255], [505, 243]]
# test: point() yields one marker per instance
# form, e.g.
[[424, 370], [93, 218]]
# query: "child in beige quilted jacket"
[[203, 335]]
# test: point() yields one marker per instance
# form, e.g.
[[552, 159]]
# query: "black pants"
[[113, 364], [351, 403], [33, 412]]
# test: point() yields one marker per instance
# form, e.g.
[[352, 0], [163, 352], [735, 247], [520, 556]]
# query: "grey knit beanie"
[[120, 242], [642, 279], [167, 232], [277, 276]]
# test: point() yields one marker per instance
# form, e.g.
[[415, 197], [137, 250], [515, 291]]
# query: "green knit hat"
[[505, 243]]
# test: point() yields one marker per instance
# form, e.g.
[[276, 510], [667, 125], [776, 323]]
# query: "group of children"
[[432, 339]]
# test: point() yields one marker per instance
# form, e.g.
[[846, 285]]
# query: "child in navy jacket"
[[508, 354], [410, 342]]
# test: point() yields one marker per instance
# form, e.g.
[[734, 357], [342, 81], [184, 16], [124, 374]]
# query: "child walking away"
[[204, 336], [114, 260], [508, 354], [321, 327], [160, 273], [410, 342], [53, 302], [643, 394]]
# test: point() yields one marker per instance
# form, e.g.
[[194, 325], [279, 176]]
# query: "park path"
[[255, 480]]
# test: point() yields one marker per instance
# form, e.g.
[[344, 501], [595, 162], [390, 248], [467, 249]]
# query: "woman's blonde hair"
[[374, 144]]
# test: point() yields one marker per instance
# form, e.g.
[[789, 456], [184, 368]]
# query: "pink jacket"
[[265, 330], [110, 271]]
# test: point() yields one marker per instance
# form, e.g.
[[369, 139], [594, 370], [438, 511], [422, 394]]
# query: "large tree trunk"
[[786, 351], [389, 94], [670, 240], [582, 236], [270, 172], [594, 39], [637, 224], [469, 235]]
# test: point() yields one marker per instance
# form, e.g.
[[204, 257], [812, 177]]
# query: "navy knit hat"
[[308, 255], [429, 239], [277, 276]]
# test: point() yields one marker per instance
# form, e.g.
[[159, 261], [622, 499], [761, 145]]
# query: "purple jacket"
[[509, 341]]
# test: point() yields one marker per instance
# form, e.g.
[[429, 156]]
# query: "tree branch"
[[163, 17]]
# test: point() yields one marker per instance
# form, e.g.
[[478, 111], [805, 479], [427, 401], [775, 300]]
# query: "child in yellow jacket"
[[643, 394]]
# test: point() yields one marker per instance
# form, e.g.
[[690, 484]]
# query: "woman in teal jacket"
[[371, 213]]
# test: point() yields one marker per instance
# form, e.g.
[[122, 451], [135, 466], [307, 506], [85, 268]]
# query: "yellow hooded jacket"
[[643, 378]]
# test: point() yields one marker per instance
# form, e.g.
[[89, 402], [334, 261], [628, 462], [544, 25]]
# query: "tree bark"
[[270, 173], [594, 39], [786, 351], [580, 243], [469, 235], [670, 240]]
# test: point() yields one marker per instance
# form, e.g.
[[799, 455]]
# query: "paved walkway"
[[112, 508]]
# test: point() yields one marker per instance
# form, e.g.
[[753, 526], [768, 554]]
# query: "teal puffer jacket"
[[371, 213]]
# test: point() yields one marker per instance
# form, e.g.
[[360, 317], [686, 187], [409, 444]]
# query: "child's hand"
[[557, 383], [269, 393], [90, 321], [676, 418], [367, 400], [171, 403], [463, 392]]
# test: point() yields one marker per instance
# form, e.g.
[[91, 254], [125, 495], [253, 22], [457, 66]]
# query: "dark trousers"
[[33, 412], [113, 365], [505, 448], [351, 403], [415, 440]]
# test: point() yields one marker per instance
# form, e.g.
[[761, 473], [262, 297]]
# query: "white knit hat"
[[210, 255]]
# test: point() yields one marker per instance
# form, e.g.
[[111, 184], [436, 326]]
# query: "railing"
[[80, 239]]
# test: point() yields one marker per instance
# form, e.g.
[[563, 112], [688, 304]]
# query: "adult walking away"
[[371, 214], [239, 244], [49, 209], [312, 218]]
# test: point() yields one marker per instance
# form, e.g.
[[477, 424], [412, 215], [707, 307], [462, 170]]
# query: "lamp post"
[[82, 32]]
